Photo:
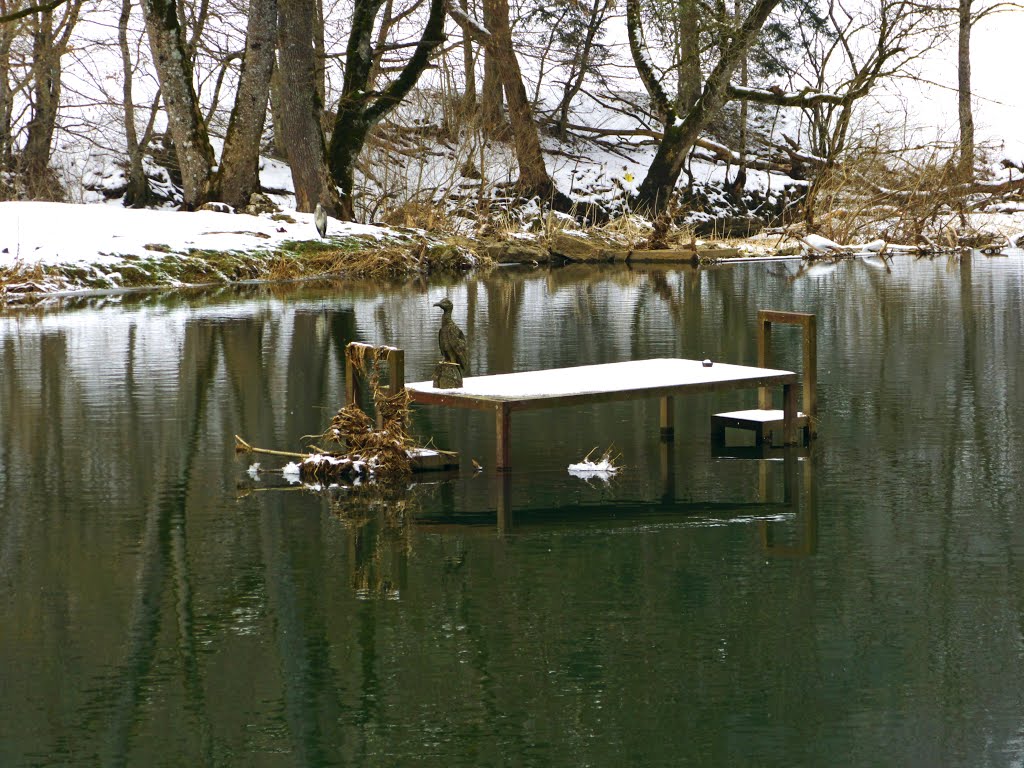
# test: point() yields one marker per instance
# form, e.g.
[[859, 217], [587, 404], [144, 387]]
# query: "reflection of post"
[[668, 471], [503, 437], [504, 502], [790, 491], [807, 530]]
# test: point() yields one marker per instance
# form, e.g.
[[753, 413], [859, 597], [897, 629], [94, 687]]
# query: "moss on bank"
[[352, 257]]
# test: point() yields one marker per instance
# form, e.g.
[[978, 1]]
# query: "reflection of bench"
[[764, 421], [659, 377]]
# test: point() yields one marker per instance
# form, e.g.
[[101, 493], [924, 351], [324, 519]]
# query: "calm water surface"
[[159, 606]]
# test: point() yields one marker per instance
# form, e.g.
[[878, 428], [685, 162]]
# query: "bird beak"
[[437, 303]]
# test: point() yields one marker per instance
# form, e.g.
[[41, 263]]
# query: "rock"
[[730, 226], [516, 252], [260, 203], [579, 248], [216, 207]]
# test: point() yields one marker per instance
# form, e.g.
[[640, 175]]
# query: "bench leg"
[[503, 435]]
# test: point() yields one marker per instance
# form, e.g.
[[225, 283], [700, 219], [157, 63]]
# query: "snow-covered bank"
[[48, 248], [63, 234]]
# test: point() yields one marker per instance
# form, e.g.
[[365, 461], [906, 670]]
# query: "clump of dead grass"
[[384, 445]]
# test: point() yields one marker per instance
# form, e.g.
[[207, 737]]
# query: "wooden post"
[[810, 374], [503, 437], [396, 371], [667, 421], [351, 385], [764, 345]]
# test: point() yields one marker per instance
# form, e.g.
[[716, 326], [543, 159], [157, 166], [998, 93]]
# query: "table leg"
[[667, 421], [789, 414], [503, 436]]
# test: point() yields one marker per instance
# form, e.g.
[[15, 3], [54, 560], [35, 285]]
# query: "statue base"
[[447, 376]]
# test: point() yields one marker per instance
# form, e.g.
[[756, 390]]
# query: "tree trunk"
[[35, 158], [966, 154], [187, 129], [301, 134], [688, 89], [7, 33], [740, 181], [492, 103], [276, 110], [533, 175], [581, 65], [469, 67], [137, 193], [240, 159]]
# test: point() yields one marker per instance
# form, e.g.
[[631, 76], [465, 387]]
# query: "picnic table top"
[[597, 383]]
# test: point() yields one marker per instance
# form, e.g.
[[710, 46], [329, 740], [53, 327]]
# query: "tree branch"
[[28, 11], [777, 97]]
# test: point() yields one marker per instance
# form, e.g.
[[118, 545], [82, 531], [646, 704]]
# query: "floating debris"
[[603, 469]]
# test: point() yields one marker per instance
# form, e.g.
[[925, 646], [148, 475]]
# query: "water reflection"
[[152, 614]]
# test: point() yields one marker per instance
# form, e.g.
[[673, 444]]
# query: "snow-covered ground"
[[60, 233]]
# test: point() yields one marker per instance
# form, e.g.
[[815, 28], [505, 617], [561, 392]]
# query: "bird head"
[[445, 304]]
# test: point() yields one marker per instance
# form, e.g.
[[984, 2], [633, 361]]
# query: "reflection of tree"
[[165, 555]]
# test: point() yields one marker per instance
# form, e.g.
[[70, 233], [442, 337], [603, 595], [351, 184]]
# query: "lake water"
[[160, 606]]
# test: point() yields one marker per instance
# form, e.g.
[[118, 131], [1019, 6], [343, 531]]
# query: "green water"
[[161, 607]]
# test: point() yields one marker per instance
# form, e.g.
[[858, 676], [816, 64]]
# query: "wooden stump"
[[447, 376]]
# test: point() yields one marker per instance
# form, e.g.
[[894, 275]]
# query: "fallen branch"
[[243, 447]]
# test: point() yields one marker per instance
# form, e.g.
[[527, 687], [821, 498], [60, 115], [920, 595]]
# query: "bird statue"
[[320, 219], [451, 339]]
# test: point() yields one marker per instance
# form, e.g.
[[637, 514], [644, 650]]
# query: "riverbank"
[[56, 248]]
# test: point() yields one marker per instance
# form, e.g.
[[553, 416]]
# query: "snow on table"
[[591, 381]]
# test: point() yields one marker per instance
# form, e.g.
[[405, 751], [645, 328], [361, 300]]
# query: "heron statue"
[[451, 339], [320, 219]]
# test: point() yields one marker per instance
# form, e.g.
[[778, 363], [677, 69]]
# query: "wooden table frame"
[[504, 406]]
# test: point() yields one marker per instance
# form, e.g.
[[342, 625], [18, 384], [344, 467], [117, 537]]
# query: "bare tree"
[[50, 37], [574, 30], [362, 105], [968, 14], [496, 35], [682, 128]]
